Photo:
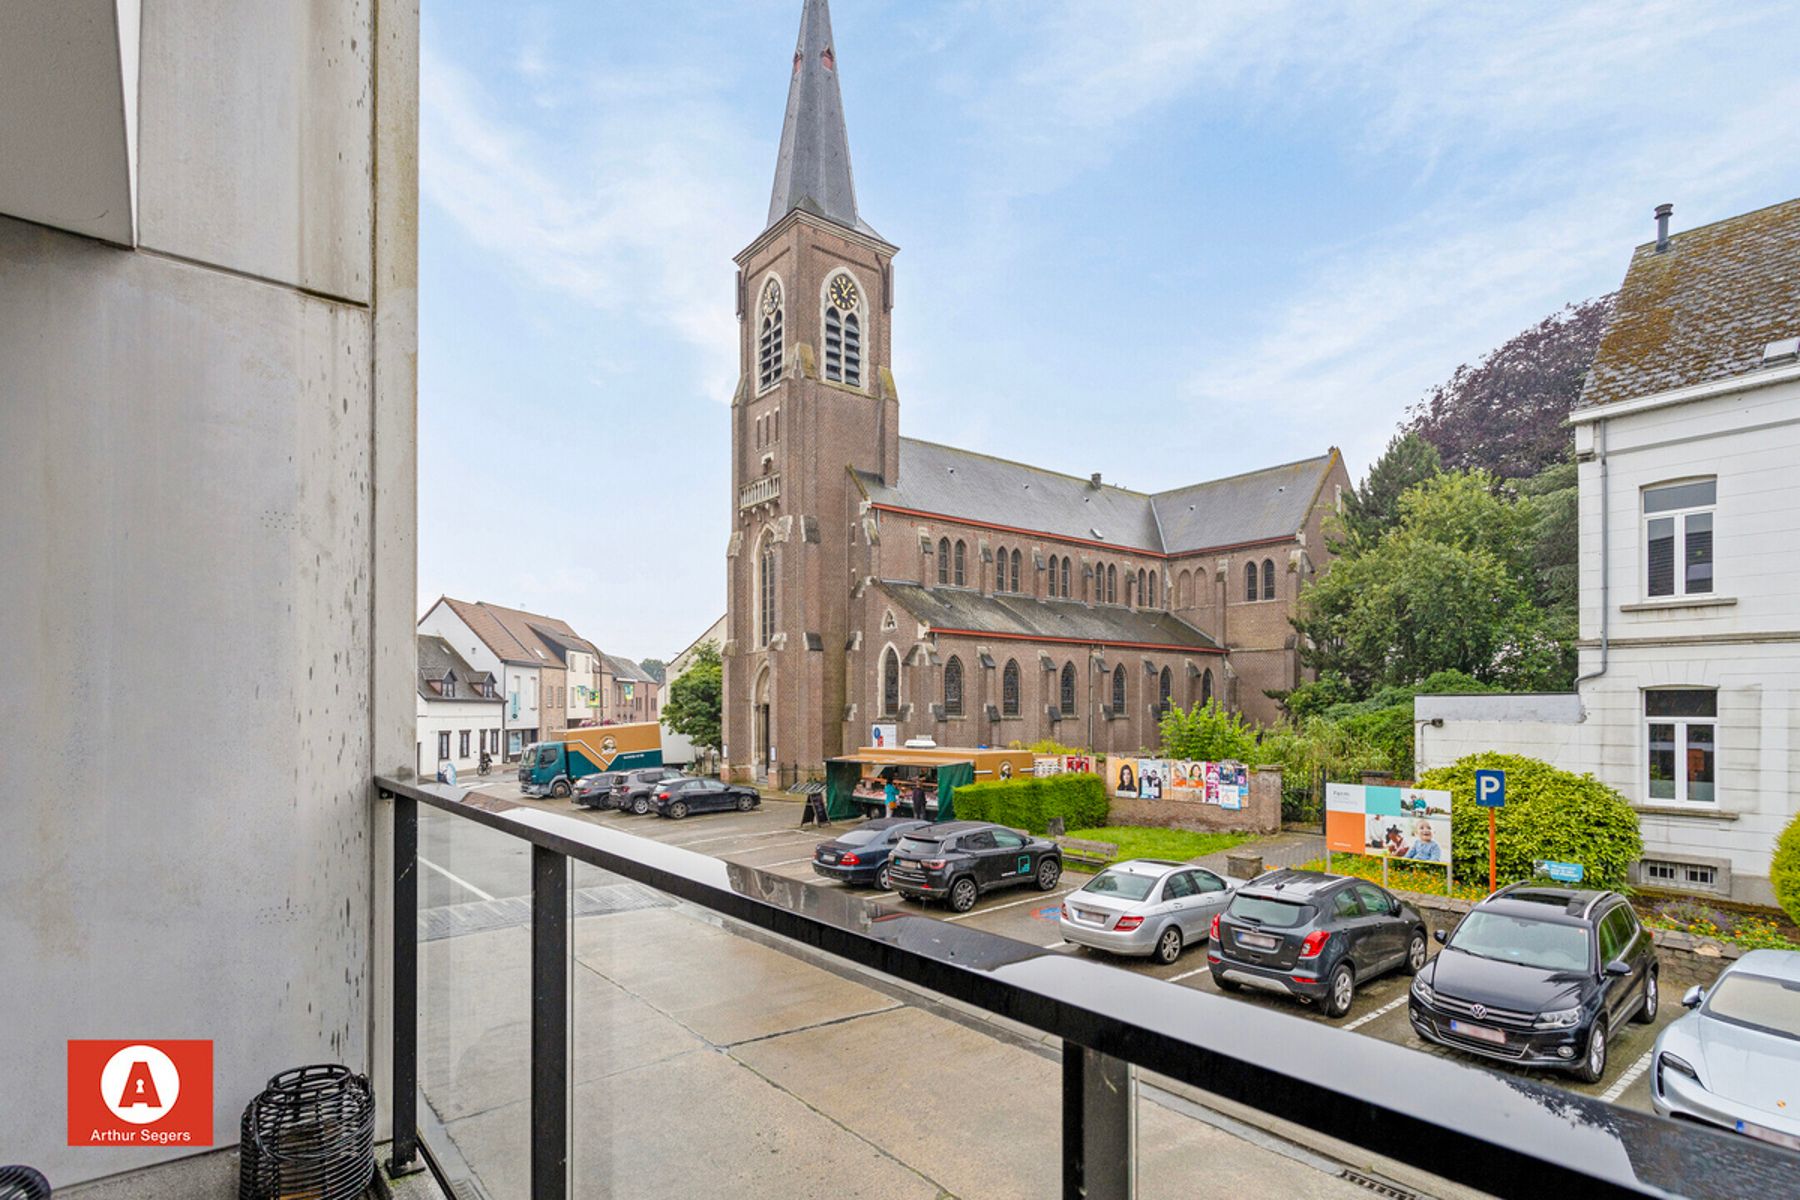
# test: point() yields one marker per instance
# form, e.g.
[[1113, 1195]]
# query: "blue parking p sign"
[[1490, 789]]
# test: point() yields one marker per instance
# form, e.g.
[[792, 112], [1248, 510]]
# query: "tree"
[[1374, 506], [1506, 414], [1206, 733], [695, 704], [655, 668]]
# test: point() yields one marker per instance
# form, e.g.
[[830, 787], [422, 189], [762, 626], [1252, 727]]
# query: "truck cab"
[[544, 770]]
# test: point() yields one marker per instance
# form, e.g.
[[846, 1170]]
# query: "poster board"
[[1397, 823], [1223, 784]]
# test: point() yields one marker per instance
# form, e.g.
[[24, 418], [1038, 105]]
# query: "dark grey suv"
[[1315, 936]]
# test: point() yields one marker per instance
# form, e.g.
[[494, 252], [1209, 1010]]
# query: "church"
[[942, 593]]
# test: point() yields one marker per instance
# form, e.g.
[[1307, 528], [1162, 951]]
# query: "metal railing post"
[[405, 1099], [1099, 1135], [549, 1024]]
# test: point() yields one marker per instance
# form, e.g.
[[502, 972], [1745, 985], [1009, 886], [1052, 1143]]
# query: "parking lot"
[[772, 839]]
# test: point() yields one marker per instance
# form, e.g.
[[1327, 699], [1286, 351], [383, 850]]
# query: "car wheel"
[[1646, 1014], [678, 809], [1340, 993], [1049, 871], [1415, 953], [1593, 1067], [881, 878], [640, 806], [746, 803], [962, 894], [560, 789], [1168, 946]]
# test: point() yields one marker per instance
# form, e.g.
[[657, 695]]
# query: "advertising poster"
[[1153, 778], [1234, 785], [1211, 775], [1081, 764], [1388, 822], [1122, 776], [884, 737], [1045, 765]]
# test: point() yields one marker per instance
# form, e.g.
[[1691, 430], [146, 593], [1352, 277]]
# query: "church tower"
[[815, 398]]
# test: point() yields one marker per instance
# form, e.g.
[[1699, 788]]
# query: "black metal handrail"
[[1500, 1134]]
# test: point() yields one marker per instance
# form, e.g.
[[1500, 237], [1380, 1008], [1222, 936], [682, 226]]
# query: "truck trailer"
[[551, 768]]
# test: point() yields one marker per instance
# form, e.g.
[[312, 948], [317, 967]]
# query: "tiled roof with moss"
[[1704, 308]]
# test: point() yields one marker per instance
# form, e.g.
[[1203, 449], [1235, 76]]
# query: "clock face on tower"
[[842, 293]]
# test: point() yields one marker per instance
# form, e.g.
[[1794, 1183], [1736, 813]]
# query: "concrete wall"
[[208, 443]]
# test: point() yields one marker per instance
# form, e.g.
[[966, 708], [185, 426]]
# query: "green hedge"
[[1080, 800], [1549, 814], [1784, 872]]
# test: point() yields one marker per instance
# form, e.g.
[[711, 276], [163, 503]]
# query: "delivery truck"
[[551, 768]]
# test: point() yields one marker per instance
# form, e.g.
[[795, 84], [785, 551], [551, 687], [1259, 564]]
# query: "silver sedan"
[[1734, 1061], [1146, 906]]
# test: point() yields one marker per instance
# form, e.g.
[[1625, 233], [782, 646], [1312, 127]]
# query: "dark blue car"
[[860, 857]]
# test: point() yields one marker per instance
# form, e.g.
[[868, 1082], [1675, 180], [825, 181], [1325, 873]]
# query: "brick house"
[[874, 578]]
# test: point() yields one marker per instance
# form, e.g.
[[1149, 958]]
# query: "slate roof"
[[437, 658], [625, 668], [561, 643], [812, 170], [513, 634], [1052, 620], [1702, 310], [1255, 506]]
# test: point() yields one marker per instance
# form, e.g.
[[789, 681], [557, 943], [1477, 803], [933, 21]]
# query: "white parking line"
[[975, 912], [1188, 974], [1385, 1009], [1631, 1076], [456, 879]]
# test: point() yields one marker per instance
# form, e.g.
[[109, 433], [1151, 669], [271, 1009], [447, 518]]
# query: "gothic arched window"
[[1065, 577], [1250, 589], [1050, 584], [1206, 687], [943, 560], [953, 687], [1118, 696], [961, 578], [1155, 592], [1268, 579], [1112, 584], [1000, 569], [843, 331], [1143, 597], [1068, 690], [1015, 571], [768, 338], [765, 590], [1009, 689], [890, 683], [1164, 684]]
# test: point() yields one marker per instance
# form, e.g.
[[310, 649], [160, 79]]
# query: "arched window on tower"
[[943, 560], [1067, 697], [1112, 584], [953, 687], [1206, 687], [890, 683], [961, 577], [843, 331], [1118, 688], [765, 589], [1065, 577], [1268, 579], [1015, 571], [1250, 588], [768, 341], [1009, 689], [1165, 684]]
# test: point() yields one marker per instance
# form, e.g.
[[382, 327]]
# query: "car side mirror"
[[1618, 967], [1439, 936], [1693, 997]]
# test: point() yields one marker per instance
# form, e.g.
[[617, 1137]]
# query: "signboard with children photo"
[[1388, 822]]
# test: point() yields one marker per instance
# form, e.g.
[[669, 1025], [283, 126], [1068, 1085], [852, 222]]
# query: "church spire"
[[813, 170]]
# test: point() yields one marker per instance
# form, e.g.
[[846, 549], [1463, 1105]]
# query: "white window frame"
[[1680, 517], [1681, 727]]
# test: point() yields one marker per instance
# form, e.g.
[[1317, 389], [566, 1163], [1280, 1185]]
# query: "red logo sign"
[[140, 1093]]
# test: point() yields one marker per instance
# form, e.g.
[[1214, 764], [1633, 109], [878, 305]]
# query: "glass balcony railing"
[[584, 1013]]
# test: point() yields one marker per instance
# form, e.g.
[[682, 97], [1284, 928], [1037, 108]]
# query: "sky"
[[1165, 240]]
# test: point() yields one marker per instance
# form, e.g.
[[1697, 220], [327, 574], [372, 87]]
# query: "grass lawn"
[[1143, 841], [1402, 877]]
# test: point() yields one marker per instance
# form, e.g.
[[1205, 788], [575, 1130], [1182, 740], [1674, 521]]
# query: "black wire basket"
[[310, 1135], [23, 1183]]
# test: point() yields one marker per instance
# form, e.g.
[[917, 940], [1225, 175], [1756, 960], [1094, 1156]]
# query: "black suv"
[[959, 860], [1540, 976], [636, 793], [1315, 936]]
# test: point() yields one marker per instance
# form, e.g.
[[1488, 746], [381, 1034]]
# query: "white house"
[[678, 749], [459, 709], [485, 644], [1688, 438]]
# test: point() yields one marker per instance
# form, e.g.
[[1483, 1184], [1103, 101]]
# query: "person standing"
[[918, 796], [891, 795]]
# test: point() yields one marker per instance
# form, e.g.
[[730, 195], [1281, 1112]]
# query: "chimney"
[[1662, 226], [1094, 480]]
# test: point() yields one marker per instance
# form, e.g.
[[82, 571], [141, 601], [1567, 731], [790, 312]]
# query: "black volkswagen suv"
[[959, 860], [1315, 936], [1540, 976]]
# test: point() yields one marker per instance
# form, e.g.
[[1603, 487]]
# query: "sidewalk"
[[1277, 850]]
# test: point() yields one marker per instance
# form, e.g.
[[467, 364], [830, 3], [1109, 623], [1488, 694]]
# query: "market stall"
[[856, 784]]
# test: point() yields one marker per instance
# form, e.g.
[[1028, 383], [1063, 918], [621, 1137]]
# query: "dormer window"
[[843, 331], [449, 687], [769, 339]]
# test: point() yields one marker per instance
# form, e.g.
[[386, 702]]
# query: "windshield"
[[1771, 1005], [1279, 914], [1547, 945], [913, 845], [1123, 884]]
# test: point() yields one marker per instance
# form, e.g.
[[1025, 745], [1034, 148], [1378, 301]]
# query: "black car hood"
[[1461, 976]]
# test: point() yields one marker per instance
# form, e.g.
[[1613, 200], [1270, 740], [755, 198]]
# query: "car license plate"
[[1480, 1033], [1769, 1135], [1258, 941], [828, 859], [905, 862], [1084, 914]]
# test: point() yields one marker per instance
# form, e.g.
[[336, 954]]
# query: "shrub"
[[1079, 799], [1206, 733], [1049, 746], [1784, 872], [1549, 814]]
